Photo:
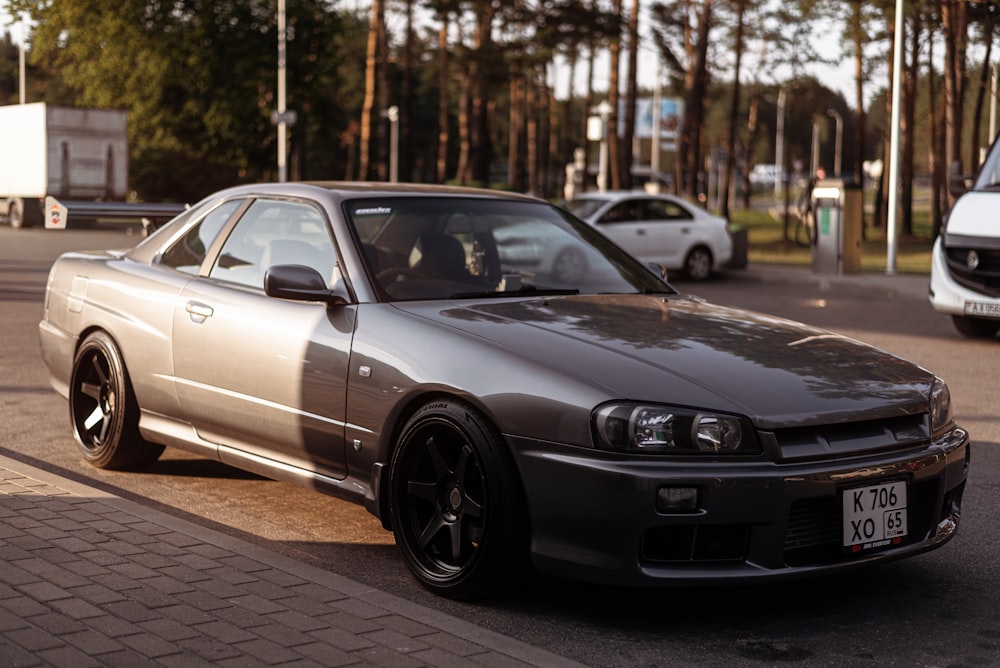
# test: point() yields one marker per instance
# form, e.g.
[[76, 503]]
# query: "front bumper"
[[948, 295], [594, 516]]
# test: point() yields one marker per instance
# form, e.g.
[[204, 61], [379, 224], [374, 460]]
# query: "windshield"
[[454, 247], [989, 173], [585, 207]]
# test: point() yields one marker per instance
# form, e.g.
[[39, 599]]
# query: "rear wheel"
[[698, 264], [103, 408], [976, 328], [456, 504]]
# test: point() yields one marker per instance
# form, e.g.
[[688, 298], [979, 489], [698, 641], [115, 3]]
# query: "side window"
[[623, 212], [662, 210], [273, 232], [188, 252]]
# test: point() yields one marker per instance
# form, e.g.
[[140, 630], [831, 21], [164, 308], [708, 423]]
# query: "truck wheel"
[[15, 214], [976, 328]]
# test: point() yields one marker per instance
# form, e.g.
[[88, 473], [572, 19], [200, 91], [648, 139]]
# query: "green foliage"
[[199, 78]]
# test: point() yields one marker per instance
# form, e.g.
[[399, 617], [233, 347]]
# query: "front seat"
[[442, 257]]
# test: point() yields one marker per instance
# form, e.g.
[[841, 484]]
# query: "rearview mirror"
[[958, 183]]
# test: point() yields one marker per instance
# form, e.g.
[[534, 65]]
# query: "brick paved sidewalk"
[[91, 579]]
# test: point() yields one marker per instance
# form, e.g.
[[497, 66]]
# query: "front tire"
[[456, 504], [976, 328], [103, 408]]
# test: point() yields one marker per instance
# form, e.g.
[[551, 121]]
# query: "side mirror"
[[658, 269], [958, 183], [300, 283]]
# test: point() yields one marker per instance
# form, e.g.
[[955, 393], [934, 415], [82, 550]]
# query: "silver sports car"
[[379, 343]]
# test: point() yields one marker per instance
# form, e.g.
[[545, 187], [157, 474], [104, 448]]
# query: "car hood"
[[974, 215], [684, 351]]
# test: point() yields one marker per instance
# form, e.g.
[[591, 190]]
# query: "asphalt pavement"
[[88, 578]]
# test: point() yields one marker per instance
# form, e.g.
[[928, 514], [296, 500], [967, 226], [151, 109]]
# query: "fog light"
[[676, 499]]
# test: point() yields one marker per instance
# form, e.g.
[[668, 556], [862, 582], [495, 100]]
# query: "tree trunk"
[[954, 25], [482, 146], [726, 185], [515, 132], [531, 130], [984, 84], [630, 97], [371, 79], [463, 172], [404, 156], [858, 39], [382, 98], [936, 145], [441, 169], [696, 83], [614, 150]]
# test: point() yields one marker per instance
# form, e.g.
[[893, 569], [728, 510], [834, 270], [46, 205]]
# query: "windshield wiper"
[[520, 292]]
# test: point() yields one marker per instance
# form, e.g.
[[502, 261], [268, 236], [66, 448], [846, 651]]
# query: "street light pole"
[[392, 113], [779, 148], [20, 66], [604, 109], [897, 76], [814, 160], [840, 139]]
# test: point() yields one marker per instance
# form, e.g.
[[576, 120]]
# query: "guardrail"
[[60, 215]]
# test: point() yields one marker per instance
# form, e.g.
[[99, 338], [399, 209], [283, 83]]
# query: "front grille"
[[850, 438], [984, 278]]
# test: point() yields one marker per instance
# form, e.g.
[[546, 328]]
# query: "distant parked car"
[[662, 229]]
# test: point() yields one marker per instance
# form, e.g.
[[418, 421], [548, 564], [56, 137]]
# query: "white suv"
[[965, 264]]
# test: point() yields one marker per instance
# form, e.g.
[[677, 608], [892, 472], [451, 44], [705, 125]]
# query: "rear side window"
[[188, 252]]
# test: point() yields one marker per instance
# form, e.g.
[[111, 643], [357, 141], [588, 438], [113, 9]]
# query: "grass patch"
[[770, 243]]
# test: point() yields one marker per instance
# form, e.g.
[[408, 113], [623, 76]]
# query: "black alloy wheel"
[[698, 264], [103, 410], [456, 504]]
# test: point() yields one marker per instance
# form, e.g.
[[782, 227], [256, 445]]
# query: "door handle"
[[199, 313], [641, 232]]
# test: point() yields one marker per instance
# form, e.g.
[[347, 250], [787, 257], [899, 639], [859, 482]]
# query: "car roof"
[[616, 195], [351, 189]]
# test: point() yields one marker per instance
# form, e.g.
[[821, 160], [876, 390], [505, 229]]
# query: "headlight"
[[941, 414], [643, 428]]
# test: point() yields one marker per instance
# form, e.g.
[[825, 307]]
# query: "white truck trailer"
[[77, 156]]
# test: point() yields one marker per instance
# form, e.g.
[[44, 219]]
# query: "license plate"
[[982, 309], [874, 516]]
